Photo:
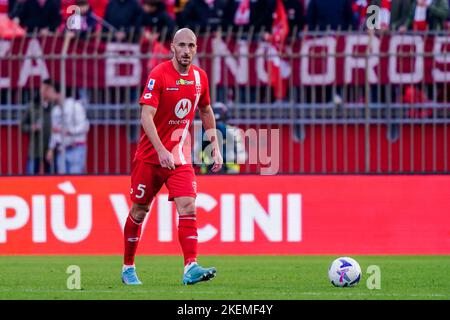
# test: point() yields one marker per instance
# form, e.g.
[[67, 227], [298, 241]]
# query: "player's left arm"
[[209, 123]]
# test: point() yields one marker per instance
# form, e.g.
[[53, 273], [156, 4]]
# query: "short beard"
[[184, 65]]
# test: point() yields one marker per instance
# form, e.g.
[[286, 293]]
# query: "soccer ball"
[[344, 272]]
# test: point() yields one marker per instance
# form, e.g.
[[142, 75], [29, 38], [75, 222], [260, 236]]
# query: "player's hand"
[[218, 161], [166, 159]]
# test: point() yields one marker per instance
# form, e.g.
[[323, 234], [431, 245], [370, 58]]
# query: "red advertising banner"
[[324, 60], [237, 215]]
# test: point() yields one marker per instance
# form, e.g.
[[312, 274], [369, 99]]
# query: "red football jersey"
[[176, 97]]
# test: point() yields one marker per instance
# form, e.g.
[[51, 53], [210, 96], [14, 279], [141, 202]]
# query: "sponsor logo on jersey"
[[147, 96], [178, 122], [172, 89], [151, 84], [182, 108], [184, 82]]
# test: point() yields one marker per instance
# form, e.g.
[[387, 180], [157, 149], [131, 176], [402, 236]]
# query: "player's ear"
[[172, 48]]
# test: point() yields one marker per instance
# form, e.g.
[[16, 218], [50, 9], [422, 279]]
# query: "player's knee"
[[139, 211], [186, 208]]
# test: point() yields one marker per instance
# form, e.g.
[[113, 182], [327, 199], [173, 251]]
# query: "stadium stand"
[[343, 101]]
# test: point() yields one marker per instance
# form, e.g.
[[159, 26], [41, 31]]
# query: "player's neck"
[[180, 69]]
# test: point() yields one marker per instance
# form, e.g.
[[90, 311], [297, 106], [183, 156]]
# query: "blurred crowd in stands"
[[128, 20], [123, 17]]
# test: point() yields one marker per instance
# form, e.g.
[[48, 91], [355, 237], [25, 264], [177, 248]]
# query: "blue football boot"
[[129, 277], [196, 273]]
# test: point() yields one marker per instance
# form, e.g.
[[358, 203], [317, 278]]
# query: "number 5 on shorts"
[[141, 188]]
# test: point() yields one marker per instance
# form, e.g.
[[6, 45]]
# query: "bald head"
[[184, 49], [184, 33]]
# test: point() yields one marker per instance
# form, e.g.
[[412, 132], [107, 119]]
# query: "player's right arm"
[[165, 157], [150, 102]]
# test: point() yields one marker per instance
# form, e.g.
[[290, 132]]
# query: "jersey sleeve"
[[205, 99], [153, 89]]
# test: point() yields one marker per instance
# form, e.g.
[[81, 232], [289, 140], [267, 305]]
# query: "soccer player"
[[174, 90]]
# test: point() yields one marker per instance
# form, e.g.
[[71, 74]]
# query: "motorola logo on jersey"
[[182, 108]]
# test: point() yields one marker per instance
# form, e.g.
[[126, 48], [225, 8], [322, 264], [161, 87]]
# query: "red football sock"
[[132, 234], [187, 235]]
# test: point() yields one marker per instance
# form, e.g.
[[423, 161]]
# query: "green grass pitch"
[[238, 278]]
